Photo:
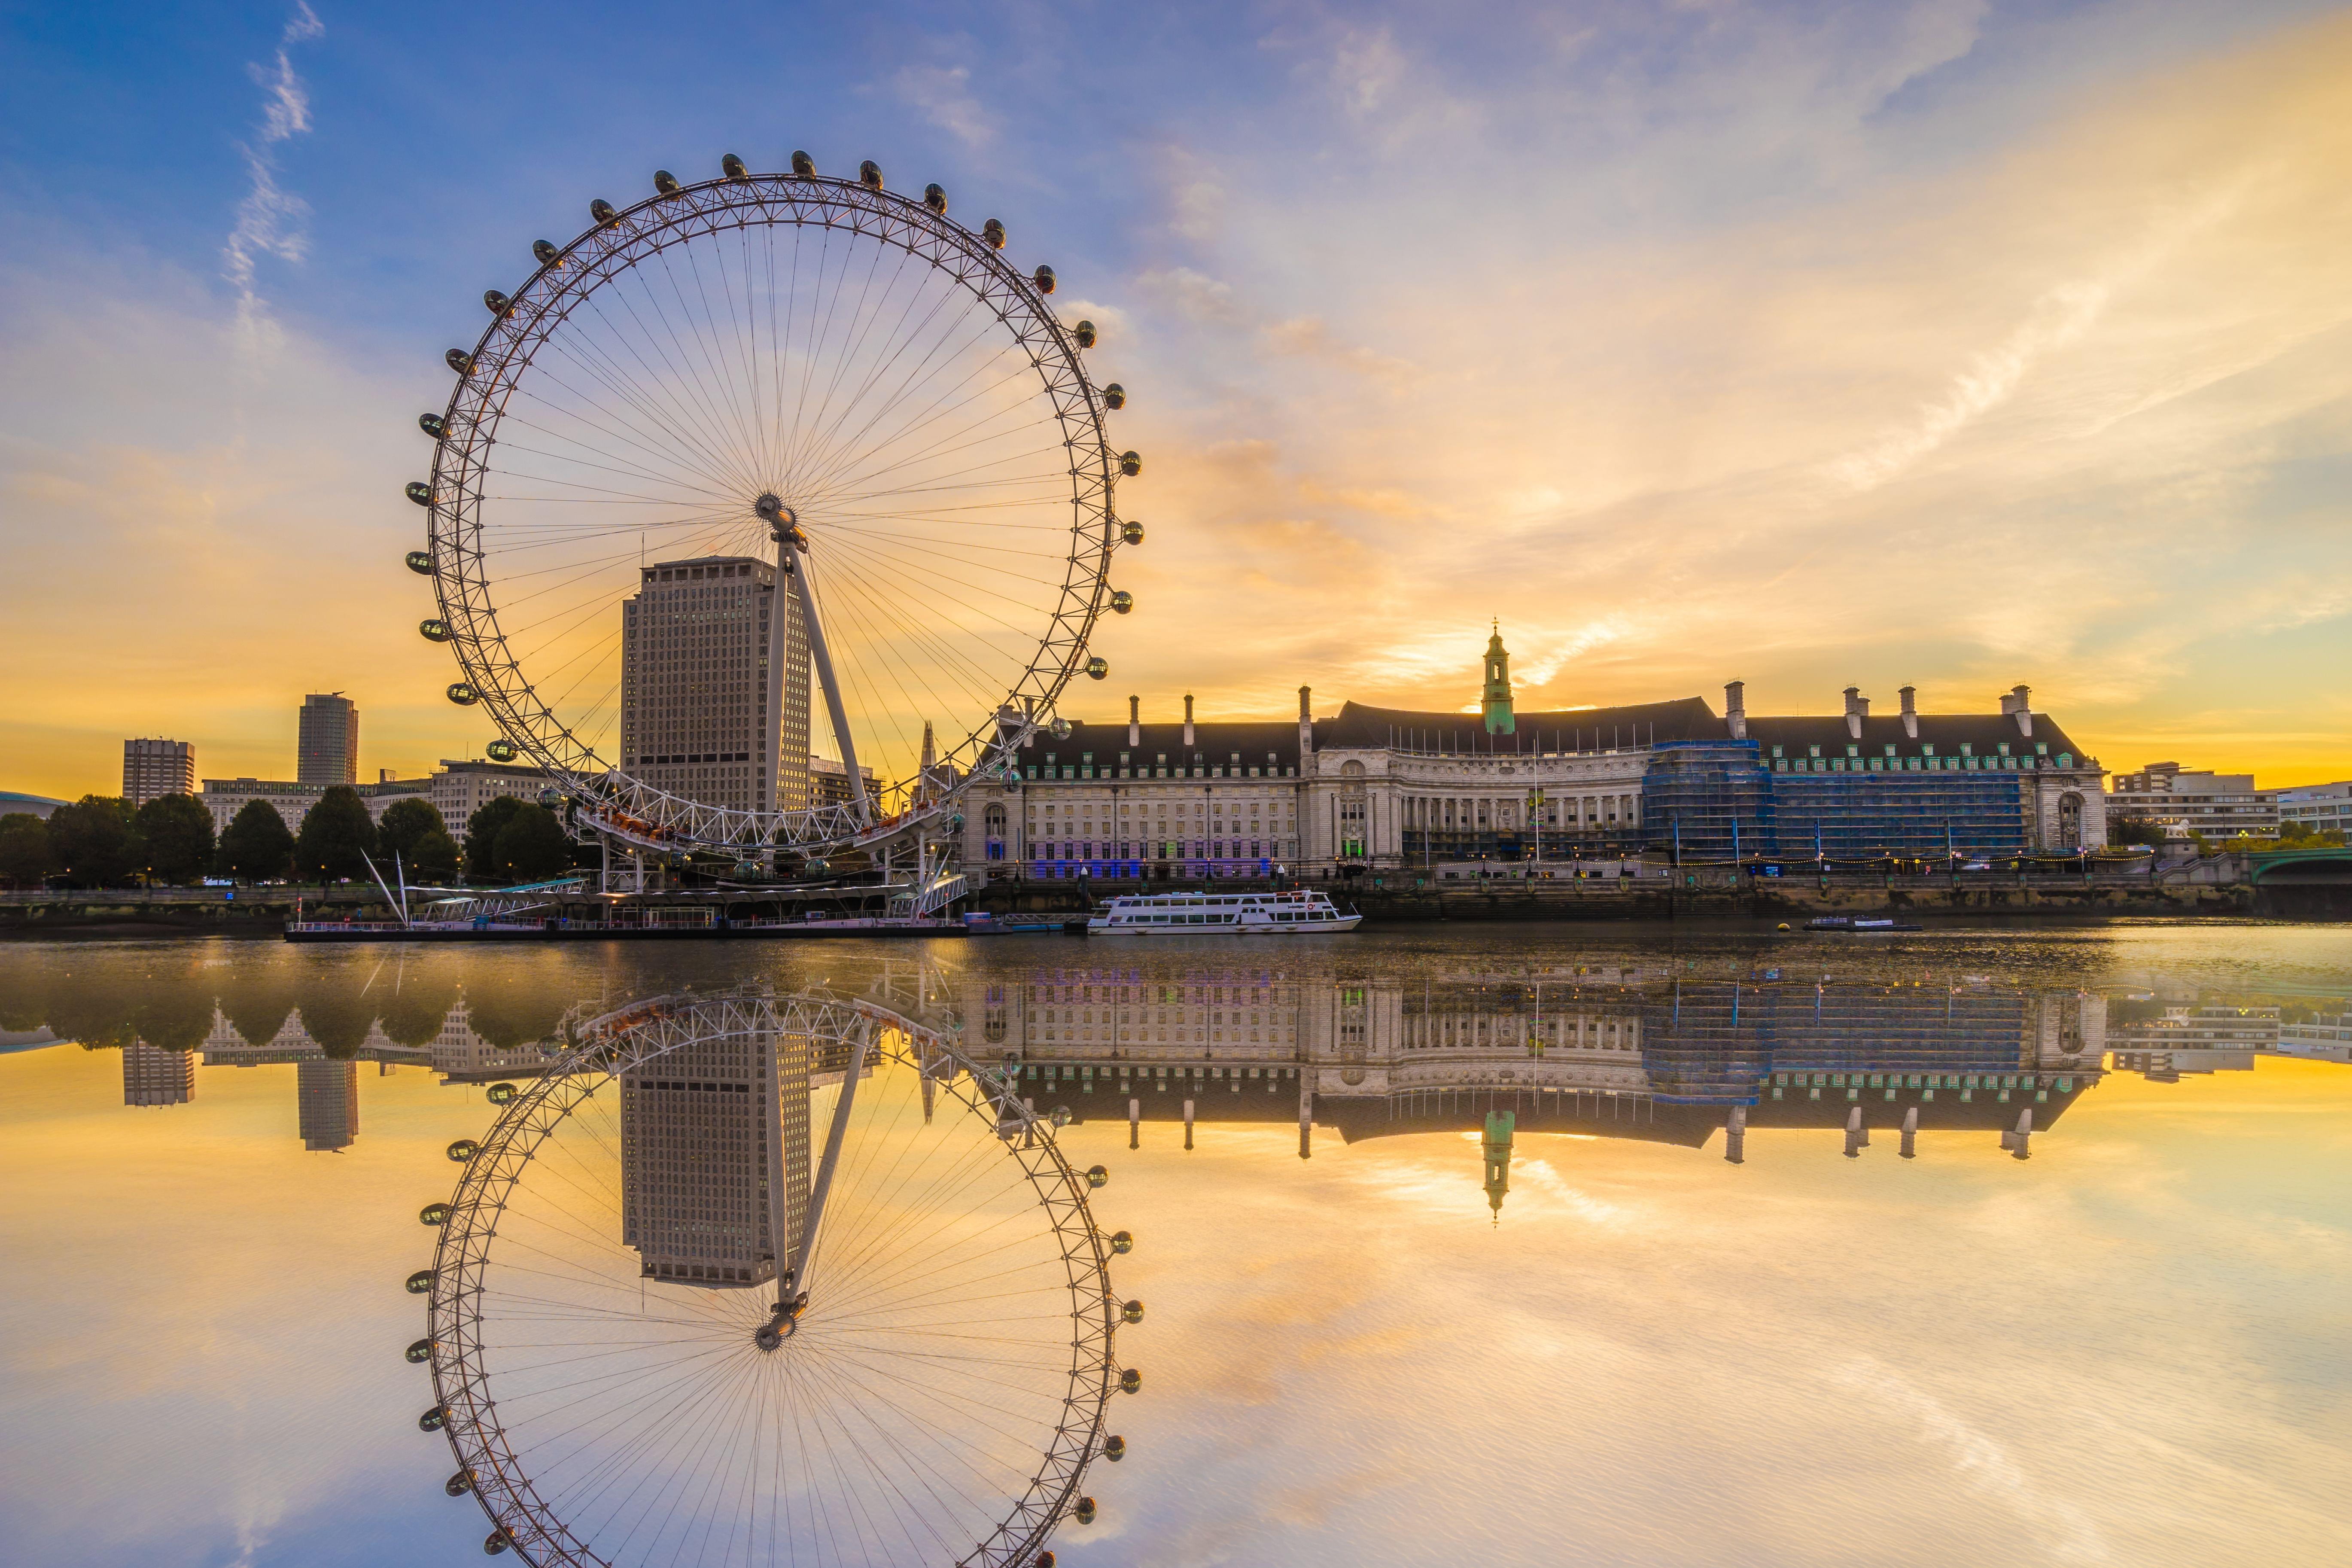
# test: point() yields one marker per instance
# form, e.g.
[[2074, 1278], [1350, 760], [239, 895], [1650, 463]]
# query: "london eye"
[[815, 395], [748, 1279]]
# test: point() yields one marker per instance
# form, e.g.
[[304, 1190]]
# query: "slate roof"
[[1359, 727], [1213, 741], [1983, 733]]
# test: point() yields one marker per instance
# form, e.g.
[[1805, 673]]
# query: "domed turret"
[[936, 198], [804, 165], [1121, 601], [459, 361], [420, 561], [544, 250], [1132, 532], [432, 631], [732, 167], [432, 425], [1044, 277], [1086, 335], [418, 492], [463, 696], [869, 174], [1114, 397], [601, 211], [994, 233]]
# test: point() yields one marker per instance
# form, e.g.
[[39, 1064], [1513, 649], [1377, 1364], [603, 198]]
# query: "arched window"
[[2070, 821]]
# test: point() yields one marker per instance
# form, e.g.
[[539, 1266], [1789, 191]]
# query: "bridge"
[[2316, 867]]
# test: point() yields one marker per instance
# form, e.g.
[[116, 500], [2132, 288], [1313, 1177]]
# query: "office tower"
[[701, 1130], [327, 1102], [152, 1076], [694, 684], [328, 749], [155, 768]]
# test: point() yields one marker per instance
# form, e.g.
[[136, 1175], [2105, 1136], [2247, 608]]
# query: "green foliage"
[[336, 836], [256, 845], [93, 841], [412, 830], [532, 847], [482, 830], [2136, 830], [175, 833], [26, 861]]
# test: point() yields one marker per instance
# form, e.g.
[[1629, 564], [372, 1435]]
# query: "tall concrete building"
[[155, 768], [327, 752], [327, 1102], [699, 1158], [152, 1076], [695, 683]]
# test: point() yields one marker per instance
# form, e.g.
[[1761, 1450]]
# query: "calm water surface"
[[1599, 1341]]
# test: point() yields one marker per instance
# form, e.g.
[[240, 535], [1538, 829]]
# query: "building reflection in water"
[[327, 1102], [709, 1131]]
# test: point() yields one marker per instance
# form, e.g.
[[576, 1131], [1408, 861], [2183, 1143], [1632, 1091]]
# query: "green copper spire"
[[1496, 699], [1500, 1124]]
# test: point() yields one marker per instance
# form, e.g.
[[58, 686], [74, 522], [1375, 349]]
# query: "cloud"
[[271, 221], [1365, 68], [942, 95]]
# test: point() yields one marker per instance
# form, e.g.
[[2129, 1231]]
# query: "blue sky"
[[1953, 344]]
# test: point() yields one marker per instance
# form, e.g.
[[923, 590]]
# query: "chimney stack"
[[1735, 708], [1306, 728], [1188, 718], [2018, 705], [1135, 721], [1857, 708], [1911, 712]]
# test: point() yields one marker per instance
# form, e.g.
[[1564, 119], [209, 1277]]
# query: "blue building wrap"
[[1720, 801]]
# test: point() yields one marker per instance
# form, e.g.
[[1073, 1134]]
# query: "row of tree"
[[100, 841]]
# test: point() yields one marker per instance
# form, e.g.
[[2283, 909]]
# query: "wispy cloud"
[[271, 220], [943, 95]]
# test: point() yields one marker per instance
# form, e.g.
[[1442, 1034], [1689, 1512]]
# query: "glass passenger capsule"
[[494, 1543], [936, 198], [869, 174], [1097, 667], [601, 211], [433, 1420], [463, 696], [463, 1150], [1132, 1311], [1130, 463], [1114, 397], [994, 233], [496, 303], [420, 1282], [1129, 1380], [418, 492], [501, 1094], [1061, 1116], [1132, 532], [500, 751], [804, 165], [1044, 277], [1097, 1175], [1121, 601], [732, 167], [1059, 728], [665, 181], [1084, 1511], [432, 631], [459, 1484], [545, 252], [459, 361], [1114, 1449], [422, 1351], [436, 1213], [1086, 335], [432, 425], [420, 561], [1121, 1243]]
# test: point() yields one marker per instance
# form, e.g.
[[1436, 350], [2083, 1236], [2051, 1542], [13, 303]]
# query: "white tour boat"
[[1202, 914]]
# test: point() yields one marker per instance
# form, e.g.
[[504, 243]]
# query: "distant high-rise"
[[327, 1102], [153, 768], [328, 749], [699, 1155], [694, 684], [152, 1076]]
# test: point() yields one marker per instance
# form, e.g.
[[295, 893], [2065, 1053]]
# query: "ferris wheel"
[[755, 1280], [814, 396]]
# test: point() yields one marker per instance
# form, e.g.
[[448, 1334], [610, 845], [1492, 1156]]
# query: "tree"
[[482, 830], [93, 841], [175, 833], [25, 857], [412, 830], [532, 847], [2136, 830], [256, 845], [336, 836]]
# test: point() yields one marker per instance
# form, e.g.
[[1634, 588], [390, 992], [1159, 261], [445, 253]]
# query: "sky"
[[1951, 344]]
